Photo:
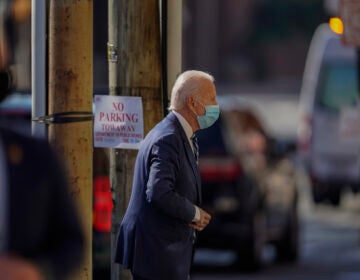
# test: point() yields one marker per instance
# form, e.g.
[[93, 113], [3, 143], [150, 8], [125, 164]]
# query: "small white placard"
[[118, 122], [349, 126]]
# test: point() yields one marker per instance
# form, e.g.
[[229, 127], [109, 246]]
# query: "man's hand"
[[203, 222], [14, 268]]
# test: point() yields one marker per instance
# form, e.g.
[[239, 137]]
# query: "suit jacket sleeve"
[[162, 188]]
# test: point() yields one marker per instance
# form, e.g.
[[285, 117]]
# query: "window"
[[338, 85]]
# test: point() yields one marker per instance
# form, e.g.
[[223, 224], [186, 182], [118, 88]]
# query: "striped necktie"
[[195, 146]]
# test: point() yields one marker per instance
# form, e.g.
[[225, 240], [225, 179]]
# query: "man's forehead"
[[208, 91]]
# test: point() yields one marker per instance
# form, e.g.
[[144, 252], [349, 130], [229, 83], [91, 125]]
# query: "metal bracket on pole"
[[112, 53], [65, 117]]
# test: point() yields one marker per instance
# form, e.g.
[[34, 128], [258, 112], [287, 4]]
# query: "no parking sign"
[[118, 122]]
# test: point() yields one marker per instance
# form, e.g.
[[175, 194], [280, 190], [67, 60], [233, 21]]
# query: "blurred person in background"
[[5, 53], [15, 40], [40, 232], [248, 140], [157, 234]]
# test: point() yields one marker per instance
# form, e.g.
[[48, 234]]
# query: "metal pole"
[[174, 42], [38, 65], [112, 50], [164, 53]]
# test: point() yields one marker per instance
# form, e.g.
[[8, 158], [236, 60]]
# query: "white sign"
[[349, 127], [118, 122]]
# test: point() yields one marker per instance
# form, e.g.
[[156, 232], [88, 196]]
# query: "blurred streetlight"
[[336, 25]]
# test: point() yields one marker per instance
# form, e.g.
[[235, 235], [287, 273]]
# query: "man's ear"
[[192, 101]]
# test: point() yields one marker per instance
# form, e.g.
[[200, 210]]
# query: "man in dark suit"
[[157, 234]]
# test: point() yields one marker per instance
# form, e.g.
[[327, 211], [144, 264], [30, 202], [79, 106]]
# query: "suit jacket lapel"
[[189, 154]]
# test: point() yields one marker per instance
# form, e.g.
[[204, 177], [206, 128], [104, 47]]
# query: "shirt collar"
[[185, 125]]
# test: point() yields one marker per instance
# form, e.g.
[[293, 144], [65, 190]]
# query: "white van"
[[329, 127]]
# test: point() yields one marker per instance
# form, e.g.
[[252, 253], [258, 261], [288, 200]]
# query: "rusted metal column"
[[70, 90], [134, 70]]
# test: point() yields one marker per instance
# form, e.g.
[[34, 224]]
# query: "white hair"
[[187, 84]]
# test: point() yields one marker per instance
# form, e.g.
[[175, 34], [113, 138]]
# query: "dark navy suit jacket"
[[154, 239], [43, 225]]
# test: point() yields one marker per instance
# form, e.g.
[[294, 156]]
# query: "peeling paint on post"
[[70, 90]]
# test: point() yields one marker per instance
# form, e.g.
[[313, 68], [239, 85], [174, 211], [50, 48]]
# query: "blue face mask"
[[212, 113]]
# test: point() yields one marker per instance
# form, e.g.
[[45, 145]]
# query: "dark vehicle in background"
[[248, 186]]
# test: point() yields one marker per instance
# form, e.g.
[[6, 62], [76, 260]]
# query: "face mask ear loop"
[[197, 100]]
